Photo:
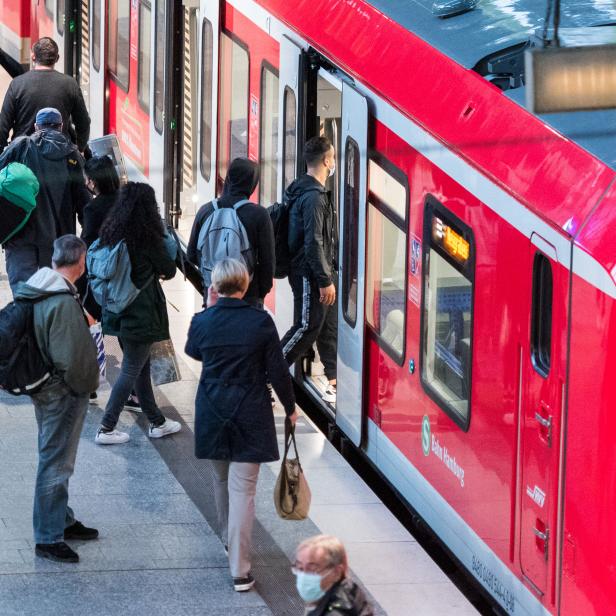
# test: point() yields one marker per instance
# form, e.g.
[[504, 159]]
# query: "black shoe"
[[132, 403], [78, 531], [93, 396], [60, 552], [242, 584]]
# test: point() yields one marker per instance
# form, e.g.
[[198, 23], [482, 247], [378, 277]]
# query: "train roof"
[[496, 25]]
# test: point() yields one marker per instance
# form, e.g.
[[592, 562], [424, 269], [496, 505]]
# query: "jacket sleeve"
[[277, 368], [81, 119], [193, 254], [193, 340], [162, 263], [314, 214], [266, 253], [14, 152], [80, 194], [7, 117]]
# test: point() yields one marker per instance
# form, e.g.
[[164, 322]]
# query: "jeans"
[[134, 374], [23, 261], [235, 486], [59, 414]]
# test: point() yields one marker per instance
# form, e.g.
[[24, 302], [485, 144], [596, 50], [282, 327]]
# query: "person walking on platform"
[[234, 422], [40, 87], [312, 247], [322, 579], [62, 334], [241, 181], [135, 219], [58, 167]]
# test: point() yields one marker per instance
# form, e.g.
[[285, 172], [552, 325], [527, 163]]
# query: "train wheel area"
[[153, 503]]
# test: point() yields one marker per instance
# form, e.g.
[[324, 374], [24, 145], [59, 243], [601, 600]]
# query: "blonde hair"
[[230, 276], [331, 546]]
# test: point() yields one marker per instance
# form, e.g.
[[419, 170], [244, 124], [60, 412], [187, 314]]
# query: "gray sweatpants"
[[235, 486]]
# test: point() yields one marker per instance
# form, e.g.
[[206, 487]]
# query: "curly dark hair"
[[134, 218]]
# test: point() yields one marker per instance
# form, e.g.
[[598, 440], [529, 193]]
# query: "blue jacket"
[[240, 350]]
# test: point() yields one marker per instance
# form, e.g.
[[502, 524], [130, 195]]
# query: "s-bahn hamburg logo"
[[425, 435], [537, 495]]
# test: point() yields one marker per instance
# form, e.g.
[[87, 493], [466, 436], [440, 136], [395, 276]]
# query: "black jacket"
[[58, 167], [30, 92], [345, 598], [313, 235], [241, 180], [94, 215], [240, 350]]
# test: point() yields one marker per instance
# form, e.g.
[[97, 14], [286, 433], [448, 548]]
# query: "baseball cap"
[[48, 116]]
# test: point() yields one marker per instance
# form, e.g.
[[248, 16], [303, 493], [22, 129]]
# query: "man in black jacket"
[[43, 87], [58, 167], [312, 246], [241, 181]]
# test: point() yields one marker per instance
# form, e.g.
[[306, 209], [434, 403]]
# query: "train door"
[[96, 68], [542, 399], [83, 75], [53, 18], [351, 273]]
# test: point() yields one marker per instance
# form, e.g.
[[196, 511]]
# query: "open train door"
[[352, 263], [96, 70]]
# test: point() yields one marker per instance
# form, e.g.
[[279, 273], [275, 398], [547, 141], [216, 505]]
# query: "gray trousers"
[[235, 485]]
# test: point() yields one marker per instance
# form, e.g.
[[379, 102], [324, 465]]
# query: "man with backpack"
[[63, 340], [312, 242], [62, 195], [232, 226]]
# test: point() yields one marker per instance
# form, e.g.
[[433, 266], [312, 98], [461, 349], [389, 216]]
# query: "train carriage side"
[[15, 30]]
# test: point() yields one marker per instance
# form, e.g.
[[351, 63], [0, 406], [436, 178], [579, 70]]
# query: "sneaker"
[[329, 395], [242, 584], [133, 404], [60, 552], [113, 437], [93, 398], [78, 531], [169, 427]]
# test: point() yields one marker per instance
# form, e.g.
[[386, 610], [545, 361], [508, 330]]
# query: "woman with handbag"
[[234, 423], [135, 220]]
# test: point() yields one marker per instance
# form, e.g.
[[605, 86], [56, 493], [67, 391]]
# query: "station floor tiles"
[[158, 553]]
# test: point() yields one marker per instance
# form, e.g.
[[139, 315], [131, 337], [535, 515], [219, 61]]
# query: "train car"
[[476, 261]]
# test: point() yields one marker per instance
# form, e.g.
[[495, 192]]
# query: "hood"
[[302, 184], [53, 144], [44, 283], [242, 178]]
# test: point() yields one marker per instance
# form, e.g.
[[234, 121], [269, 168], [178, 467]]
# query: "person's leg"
[[145, 394], [60, 415], [327, 342], [221, 497], [242, 484], [21, 263]]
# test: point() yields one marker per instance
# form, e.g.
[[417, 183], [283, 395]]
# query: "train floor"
[[158, 552]]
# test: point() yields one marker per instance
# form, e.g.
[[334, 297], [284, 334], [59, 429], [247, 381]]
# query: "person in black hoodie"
[[58, 167], [241, 181]]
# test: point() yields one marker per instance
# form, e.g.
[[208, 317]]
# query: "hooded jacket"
[[61, 330], [313, 236], [345, 598], [241, 181], [58, 167]]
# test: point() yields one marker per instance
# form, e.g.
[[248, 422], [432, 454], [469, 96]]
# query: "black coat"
[[240, 350], [94, 215], [345, 598]]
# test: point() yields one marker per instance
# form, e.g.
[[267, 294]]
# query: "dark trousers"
[[327, 340], [23, 261], [309, 314]]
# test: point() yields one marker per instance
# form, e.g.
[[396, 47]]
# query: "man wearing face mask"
[[312, 248], [321, 570]]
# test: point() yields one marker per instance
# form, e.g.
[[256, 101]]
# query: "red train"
[[477, 331]]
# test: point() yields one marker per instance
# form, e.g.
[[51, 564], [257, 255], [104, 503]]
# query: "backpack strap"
[[239, 204], [215, 204]]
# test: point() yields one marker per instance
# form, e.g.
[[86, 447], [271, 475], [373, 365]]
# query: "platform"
[[158, 551]]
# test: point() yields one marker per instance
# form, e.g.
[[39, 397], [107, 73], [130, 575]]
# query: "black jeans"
[[327, 340]]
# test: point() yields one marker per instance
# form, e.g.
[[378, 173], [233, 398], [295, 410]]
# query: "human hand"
[[327, 295], [212, 296], [293, 417], [91, 319]]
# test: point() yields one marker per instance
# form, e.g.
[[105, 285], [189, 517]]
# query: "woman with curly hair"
[[135, 219]]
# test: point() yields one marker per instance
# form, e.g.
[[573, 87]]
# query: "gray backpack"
[[223, 235]]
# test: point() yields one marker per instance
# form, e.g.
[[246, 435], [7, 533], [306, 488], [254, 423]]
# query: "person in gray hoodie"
[[58, 167], [62, 333]]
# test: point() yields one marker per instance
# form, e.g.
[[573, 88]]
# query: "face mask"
[[309, 586], [332, 170]]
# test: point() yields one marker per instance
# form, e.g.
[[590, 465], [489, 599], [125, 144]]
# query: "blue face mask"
[[309, 586]]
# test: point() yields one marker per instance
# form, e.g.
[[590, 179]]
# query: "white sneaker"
[[115, 437], [329, 395], [169, 427]]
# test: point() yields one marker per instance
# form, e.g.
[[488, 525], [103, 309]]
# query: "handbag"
[[164, 366], [96, 332], [291, 494]]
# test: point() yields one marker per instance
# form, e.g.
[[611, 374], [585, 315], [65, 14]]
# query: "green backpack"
[[18, 190]]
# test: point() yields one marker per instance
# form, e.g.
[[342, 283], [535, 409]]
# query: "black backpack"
[[23, 370], [279, 215]]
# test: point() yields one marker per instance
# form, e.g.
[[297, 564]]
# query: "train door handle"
[[545, 537], [547, 424]]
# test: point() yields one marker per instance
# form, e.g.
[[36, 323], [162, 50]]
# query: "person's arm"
[[162, 263], [314, 213], [7, 117], [81, 119], [266, 252], [14, 152], [277, 368], [192, 348], [80, 194], [193, 254]]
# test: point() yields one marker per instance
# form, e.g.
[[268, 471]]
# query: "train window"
[[207, 61], [96, 34], [386, 268], [350, 240], [233, 107], [159, 66], [541, 324], [145, 43], [118, 26], [60, 11], [446, 343], [290, 137], [269, 136]]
